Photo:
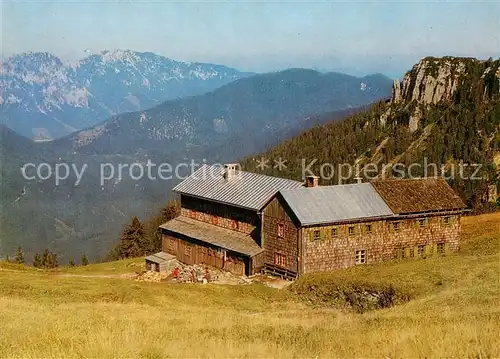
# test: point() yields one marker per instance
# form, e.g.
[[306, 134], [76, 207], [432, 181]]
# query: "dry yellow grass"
[[454, 311]]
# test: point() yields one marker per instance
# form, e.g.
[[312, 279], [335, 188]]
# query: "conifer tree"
[[45, 258], [132, 239], [84, 260], [20, 255], [37, 261]]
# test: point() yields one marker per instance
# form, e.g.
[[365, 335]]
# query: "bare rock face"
[[415, 118], [384, 117], [396, 91], [433, 80]]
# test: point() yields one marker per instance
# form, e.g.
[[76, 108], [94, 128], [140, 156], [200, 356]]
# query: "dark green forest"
[[463, 128]]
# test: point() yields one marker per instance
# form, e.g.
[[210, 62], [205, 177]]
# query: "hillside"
[[445, 110], [44, 97], [443, 307], [261, 108]]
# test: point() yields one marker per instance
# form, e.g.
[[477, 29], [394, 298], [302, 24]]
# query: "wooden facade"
[[342, 245], [230, 217], [280, 236], [394, 219], [190, 251]]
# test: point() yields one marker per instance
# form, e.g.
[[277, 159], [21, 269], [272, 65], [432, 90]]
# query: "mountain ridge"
[[44, 95], [267, 103]]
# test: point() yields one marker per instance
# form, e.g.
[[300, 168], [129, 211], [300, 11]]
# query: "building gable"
[[241, 189]]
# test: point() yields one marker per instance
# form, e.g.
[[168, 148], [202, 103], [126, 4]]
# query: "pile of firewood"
[[195, 273]]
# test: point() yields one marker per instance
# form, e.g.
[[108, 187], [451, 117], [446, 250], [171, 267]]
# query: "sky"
[[354, 37]]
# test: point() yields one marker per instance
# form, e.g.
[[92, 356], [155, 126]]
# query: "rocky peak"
[[433, 80]]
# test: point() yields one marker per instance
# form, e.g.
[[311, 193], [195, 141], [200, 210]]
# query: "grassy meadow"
[[441, 307]]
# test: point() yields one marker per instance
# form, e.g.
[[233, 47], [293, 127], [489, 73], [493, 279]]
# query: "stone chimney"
[[230, 170], [312, 181]]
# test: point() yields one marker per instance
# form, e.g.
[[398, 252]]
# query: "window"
[[351, 230], [422, 222], [430, 249], [368, 228], [361, 256], [440, 248], [421, 250], [171, 244], [396, 226], [280, 259], [404, 253], [204, 250], [281, 230], [334, 232], [187, 250], [215, 220], [446, 221], [316, 235], [234, 224], [398, 253]]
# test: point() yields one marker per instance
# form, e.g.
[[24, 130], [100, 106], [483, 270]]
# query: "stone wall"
[[381, 241], [221, 215]]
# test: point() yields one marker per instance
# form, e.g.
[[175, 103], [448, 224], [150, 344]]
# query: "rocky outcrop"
[[415, 118], [434, 80], [396, 91]]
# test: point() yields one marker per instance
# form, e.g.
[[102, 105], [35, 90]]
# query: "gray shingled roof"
[[218, 236], [328, 204], [245, 189]]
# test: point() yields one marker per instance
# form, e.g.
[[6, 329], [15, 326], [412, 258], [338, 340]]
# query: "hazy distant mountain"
[[43, 97], [260, 108]]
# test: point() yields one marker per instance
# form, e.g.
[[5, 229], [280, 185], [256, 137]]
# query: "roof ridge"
[[253, 173], [407, 179], [328, 186]]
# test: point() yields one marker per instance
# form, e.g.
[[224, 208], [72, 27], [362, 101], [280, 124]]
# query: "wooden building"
[[330, 227], [221, 218], [159, 262], [245, 222]]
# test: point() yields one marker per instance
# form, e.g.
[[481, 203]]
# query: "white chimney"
[[230, 170]]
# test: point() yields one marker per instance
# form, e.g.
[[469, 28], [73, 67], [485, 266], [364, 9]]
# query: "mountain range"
[[261, 108], [43, 97], [247, 115]]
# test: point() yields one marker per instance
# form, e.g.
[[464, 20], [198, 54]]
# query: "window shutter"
[[435, 249], [415, 252], [426, 251], [311, 235], [446, 248], [399, 253], [407, 252]]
